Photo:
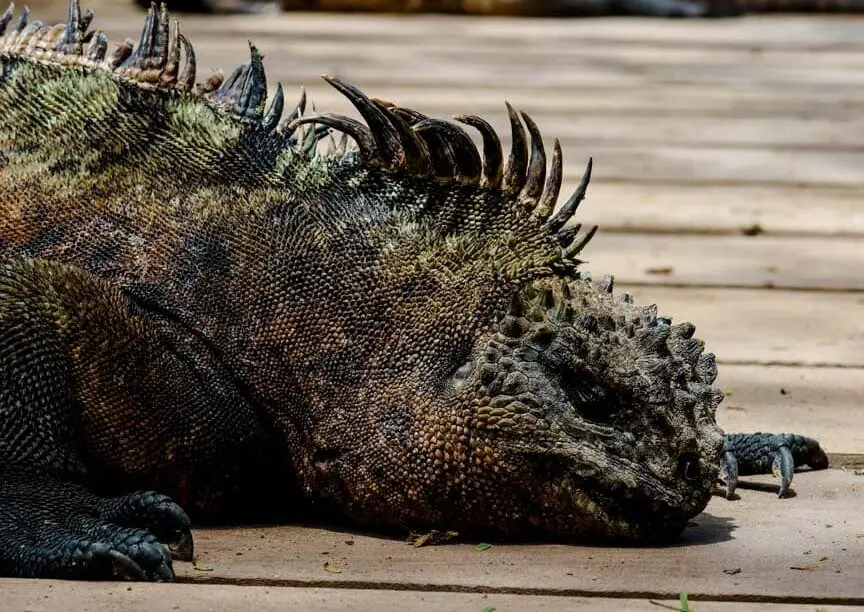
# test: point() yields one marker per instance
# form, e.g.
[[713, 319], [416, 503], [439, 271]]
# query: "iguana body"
[[196, 299]]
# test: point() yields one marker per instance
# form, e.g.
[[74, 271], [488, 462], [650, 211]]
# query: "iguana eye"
[[463, 374], [589, 400], [688, 467]]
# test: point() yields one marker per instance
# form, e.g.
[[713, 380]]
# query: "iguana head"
[[585, 416], [577, 415], [517, 397]]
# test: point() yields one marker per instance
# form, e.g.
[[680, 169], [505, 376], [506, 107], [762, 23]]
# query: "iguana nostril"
[[688, 467]]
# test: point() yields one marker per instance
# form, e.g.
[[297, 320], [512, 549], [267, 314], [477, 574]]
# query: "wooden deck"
[[729, 174]]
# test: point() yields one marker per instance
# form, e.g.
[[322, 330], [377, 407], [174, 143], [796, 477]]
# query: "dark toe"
[[157, 514]]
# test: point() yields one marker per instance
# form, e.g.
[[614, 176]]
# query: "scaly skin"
[[196, 300]]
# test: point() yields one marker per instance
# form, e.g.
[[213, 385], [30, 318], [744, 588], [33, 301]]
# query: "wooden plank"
[[763, 32], [824, 403], [435, 70], [756, 539], [767, 327], [60, 596], [600, 102], [644, 157], [580, 131], [298, 43], [727, 166], [729, 261], [461, 52], [645, 207]]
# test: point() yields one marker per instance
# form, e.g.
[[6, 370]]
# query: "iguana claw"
[[762, 453]]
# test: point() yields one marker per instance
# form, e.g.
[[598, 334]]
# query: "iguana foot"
[[762, 453], [54, 529]]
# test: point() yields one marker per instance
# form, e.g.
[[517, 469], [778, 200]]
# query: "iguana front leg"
[[763, 453], [99, 398], [50, 528]]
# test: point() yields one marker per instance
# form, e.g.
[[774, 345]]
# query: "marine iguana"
[[199, 297]]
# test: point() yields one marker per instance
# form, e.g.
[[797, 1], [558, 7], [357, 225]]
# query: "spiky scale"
[[517, 163]]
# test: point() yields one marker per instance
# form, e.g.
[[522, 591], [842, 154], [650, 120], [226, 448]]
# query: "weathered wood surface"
[[752, 326], [825, 402], [799, 262], [701, 132], [62, 596], [810, 546]]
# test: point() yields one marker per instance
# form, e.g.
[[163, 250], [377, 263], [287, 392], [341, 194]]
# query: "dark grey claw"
[[64, 531], [184, 548], [764, 453], [122, 567], [783, 467], [729, 473]]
